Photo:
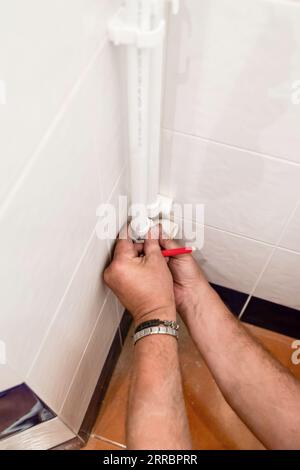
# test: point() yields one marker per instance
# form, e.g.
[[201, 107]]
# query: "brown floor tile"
[[213, 423], [279, 345], [97, 444]]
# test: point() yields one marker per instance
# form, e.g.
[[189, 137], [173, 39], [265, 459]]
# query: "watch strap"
[[155, 330], [157, 322]]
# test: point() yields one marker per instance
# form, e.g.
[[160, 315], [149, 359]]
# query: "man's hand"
[[190, 284], [143, 284]]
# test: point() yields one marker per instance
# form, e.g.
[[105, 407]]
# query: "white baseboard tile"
[[91, 365], [44, 436]]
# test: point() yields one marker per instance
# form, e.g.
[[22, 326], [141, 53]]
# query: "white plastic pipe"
[[141, 27], [138, 15], [156, 81]]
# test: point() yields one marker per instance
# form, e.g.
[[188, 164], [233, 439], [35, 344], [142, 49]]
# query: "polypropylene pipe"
[[140, 25], [138, 13], [156, 81]]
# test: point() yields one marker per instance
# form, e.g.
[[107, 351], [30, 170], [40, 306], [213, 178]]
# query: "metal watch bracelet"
[[155, 330], [157, 322]]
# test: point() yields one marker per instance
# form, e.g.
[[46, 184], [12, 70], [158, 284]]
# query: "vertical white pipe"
[[139, 16], [156, 82]]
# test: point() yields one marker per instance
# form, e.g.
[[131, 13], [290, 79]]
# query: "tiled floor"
[[213, 424]]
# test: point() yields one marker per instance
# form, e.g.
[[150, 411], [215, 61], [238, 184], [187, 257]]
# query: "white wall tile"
[[75, 320], [291, 237], [232, 261], [91, 365], [64, 346], [50, 220], [113, 154], [8, 377], [43, 436], [243, 192], [230, 74], [44, 47], [280, 282]]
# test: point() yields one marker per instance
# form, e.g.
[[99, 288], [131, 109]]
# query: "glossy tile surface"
[[280, 282], [55, 210], [62, 155], [231, 136], [47, 435], [9, 378], [291, 237], [21, 409], [89, 368], [213, 424], [44, 47], [243, 192], [230, 74], [232, 261], [72, 327]]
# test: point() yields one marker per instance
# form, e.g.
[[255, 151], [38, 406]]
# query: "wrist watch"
[[151, 323]]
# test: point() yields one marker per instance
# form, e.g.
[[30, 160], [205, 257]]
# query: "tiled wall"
[[62, 154], [232, 138]]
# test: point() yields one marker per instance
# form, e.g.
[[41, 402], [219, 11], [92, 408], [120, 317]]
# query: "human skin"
[[156, 417], [262, 392]]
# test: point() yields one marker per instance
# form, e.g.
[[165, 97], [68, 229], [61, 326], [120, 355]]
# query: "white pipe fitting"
[[139, 228]]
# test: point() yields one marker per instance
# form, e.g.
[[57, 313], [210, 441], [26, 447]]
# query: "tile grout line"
[[274, 247], [270, 245], [51, 128], [244, 237], [109, 441], [266, 264], [96, 322], [83, 354], [231, 147], [117, 182], [257, 240], [110, 257], [76, 270], [61, 302], [237, 235], [269, 259]]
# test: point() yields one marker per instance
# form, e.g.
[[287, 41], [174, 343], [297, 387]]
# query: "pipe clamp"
[[121, 34]]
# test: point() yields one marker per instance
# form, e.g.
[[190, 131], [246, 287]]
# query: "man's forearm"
[[156, 414], [262, 392]]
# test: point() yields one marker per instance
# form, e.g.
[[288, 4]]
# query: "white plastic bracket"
[[175, 6], [121, 34], [163, 206]]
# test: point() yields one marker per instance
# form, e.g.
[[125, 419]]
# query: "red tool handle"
[[176, 251]]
